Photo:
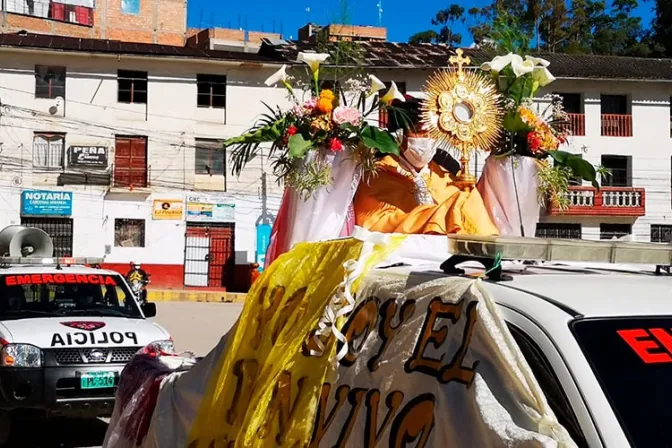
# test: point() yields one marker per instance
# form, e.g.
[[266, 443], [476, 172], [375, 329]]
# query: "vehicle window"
[[632, 360], [550, 384], [27, 295]]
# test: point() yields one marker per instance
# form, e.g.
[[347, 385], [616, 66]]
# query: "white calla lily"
[[376, 85], [537, 61], [521, 67], [313, 60], [543, 76], [393, 94], [497, 64], [279, 76]]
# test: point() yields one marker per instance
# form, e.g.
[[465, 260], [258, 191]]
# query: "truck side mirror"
[[148, 309]]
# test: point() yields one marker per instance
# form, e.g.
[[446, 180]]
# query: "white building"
[[124, 131], [130, 136]]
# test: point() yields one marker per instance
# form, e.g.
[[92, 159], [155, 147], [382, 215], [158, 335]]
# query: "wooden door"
[[130, 162]]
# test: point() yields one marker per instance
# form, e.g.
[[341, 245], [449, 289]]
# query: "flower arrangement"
[[305, 138], [539, 133]]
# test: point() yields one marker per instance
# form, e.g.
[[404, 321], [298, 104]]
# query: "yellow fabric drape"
[[387, 204], [265, 389]]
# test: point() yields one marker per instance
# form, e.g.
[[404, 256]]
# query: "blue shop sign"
[[46, 203], [263, 238]]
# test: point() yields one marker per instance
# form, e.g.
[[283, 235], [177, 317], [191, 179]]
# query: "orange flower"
[[528, 117], [325, 103]]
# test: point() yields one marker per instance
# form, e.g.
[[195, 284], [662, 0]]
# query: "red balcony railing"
[[614, 125], [575, 125], [608, 201]]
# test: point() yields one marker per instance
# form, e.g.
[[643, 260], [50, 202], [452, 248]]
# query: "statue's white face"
[[419, 150]]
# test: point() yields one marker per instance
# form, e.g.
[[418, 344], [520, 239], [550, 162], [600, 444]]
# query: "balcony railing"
[[615, 125], [575, 125], [608, 201]]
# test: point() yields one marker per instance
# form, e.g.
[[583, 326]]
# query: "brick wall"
[[201, 39], [16, 22], [158, 21], [354, 32]]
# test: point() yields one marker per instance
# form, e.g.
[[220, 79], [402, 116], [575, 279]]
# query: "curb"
[[195, 296]]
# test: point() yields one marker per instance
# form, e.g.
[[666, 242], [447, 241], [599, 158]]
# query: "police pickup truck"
[[66, 332]]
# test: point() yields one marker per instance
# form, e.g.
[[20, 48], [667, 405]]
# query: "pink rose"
[[311, 104], [349, 115]]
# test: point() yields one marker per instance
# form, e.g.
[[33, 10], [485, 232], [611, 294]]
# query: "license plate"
[[97, 380]]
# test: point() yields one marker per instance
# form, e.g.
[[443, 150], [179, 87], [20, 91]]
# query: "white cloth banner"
[[430, 363]]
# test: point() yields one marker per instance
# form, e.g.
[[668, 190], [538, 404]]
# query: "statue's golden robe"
[[387, 203]]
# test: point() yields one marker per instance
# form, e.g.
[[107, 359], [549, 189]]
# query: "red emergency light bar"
[[50, 261]]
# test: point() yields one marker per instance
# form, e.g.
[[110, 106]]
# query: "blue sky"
[[402, 18]]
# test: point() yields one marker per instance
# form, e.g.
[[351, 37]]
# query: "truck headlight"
[[20, 355], [164, 346]]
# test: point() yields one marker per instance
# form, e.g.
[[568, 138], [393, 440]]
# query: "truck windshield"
[[632, 359], [40, 295]]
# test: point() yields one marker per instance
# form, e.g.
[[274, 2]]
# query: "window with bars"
[[131, 87], [48, 150], [209, 157], [661, 233], [571, 102], [129, 232], [211, 91], [49, 81], [558, 230], [59, 229], [611, 231]]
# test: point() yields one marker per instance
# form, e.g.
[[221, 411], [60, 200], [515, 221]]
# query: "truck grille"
[[102, 355]]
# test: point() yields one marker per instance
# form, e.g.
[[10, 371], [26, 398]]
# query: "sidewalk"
[[189, 295]]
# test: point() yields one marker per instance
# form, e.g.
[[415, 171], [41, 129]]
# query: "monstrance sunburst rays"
[[461, 110]]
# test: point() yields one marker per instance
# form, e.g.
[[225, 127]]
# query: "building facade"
[[120, 155], [115, 151]]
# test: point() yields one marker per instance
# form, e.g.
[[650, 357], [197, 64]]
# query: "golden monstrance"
[[461, 110]]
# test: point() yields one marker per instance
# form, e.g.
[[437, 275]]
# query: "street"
[[195, 327]]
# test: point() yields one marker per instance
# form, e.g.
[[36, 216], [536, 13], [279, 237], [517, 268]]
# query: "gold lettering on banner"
[[322, 420], [372, 434], [435, 367], [246, 372], [361, 323], [265, 315], [281, 404], [356, 399], [414, 422], [222, 442], [287, 310], [386, 330]]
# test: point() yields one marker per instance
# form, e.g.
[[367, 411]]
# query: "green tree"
[[446, 19], [660, 38], [571, 26]]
